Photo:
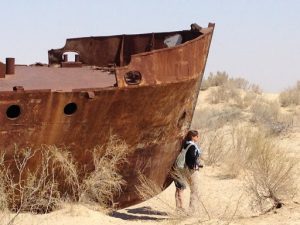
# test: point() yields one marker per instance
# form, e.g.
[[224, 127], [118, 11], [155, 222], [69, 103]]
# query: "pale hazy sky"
[[258, 40]]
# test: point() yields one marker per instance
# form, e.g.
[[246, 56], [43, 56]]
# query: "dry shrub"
[[267, 114], [214, 80], [147, 188], [54, 178], [248, 99], [230, 90], [216, 146], [239, 151], [296, 116], [233, 96], [290, 96], [269, 174], [64, 165], [239, 83], [37, 190], [256, 89], [265, 110], [3, 197], [225, 94], [105, 181], [213, 119], [266, 169]]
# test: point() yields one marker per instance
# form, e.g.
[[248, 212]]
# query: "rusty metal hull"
[[151, 116]]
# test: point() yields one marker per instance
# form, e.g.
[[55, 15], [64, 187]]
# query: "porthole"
[[133, 77], [13, 112], [70, 108]]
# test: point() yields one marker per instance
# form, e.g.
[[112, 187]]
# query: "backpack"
[[180, 160]]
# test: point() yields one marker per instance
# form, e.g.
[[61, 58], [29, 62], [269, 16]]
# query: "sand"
[[224, 201]]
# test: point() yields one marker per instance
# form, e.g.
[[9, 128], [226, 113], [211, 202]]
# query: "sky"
[[258, 40]]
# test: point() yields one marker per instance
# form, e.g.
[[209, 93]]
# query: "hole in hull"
[[13, 112], [70, 108]]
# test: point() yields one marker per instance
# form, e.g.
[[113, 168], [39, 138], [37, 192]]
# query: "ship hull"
[[151, 117]]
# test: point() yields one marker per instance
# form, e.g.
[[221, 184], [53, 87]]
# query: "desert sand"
[[223, 200]]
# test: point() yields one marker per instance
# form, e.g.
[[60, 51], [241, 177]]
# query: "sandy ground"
[[222, 201]]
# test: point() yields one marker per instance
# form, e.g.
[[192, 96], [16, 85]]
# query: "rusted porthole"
[[13, 111], [70, 108], [133, 77]]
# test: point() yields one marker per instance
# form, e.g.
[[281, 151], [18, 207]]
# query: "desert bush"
[[214, 80], [266, 169], [239, 83], [216, 146], [213, 119], [64, 165], [269, 174], [3, 197], [255, 89], [233, 96], [147, 188], [222, 78], [54, 179], [290, 96], [225, 94], [267, 114], [264, 110], [248, 99], [105, 182], [238, 152], [37, 190]]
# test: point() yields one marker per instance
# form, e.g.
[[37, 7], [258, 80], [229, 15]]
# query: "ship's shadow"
[[141, 213]]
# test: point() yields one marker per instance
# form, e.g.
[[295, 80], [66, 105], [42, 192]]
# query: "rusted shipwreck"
[[141, 87]]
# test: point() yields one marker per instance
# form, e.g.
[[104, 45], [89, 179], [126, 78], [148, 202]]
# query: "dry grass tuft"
[[213, 80], [37, 190], [65, 167], [267, 114], [238, 152], [54, 178], [216, 146], [105, 182], [269, 174], [290, 96], [147, 188], [3, 195], [210, 119], [231, 95], [225, 94], [267, 170], [233, 91]]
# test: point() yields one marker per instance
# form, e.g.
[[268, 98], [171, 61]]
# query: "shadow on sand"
[[142, 213]]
